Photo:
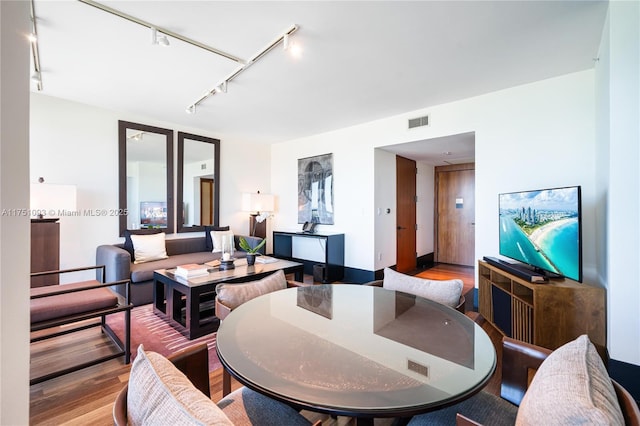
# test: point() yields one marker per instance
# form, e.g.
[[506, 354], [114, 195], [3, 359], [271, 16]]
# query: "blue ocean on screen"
[[555, 250]]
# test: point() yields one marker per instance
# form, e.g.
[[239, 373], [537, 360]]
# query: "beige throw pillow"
[[160, 394], [216, 238], [446, 292], [571, 387], [234, 295], [147, 248]]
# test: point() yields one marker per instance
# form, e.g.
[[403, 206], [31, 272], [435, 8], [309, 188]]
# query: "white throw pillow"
[[149, 247], [159, 393], [446, 292], [571, 386], [216, 238]]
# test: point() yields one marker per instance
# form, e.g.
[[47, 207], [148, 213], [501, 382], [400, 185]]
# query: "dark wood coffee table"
[[189, 305]]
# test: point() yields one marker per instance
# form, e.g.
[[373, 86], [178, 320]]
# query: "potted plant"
[[251, 251]]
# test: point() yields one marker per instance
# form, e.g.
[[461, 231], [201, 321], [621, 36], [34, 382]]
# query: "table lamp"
[[260, 206]]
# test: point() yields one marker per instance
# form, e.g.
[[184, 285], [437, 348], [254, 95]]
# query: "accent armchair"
[[567, 386]]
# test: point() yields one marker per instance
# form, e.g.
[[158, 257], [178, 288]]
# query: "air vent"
[[418, 122], [418, 368]]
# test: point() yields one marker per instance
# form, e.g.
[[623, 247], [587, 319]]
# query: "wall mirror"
[[146, 177], [198, 182]]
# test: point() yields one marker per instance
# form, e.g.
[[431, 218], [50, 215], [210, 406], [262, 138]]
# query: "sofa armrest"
[[194, 363], [117, 262], [520, 360]]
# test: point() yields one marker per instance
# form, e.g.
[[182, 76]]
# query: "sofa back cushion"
[[159, 393], [234, 295], [446, 292], [571, 386]]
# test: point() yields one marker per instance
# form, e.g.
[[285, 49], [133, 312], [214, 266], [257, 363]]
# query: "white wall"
[[533, 136], [74, 143], [618, 89], [14, 229]]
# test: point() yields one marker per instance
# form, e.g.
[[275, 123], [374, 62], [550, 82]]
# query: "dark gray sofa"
[[120, 266]]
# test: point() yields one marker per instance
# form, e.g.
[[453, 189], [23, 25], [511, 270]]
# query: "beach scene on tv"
[[542, 228]]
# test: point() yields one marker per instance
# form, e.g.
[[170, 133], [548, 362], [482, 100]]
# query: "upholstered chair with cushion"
[[570, 385], [175, 391], [230, 296], [447, 292]]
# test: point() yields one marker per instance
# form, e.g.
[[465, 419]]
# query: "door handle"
[[400, 227]]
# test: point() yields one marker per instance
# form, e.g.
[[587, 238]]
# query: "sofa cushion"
[[234, 295], [147, 248], [446, 292], [159, 393], [571, 386], [207, 235], [128, 244], [144, 271], [46, 308]]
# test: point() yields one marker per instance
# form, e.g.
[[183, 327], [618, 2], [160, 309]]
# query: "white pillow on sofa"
[[446, 292], [147, 248], [216, 238], [159, 393], [571, 386]]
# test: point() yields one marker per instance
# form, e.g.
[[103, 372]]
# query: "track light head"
[[191, 109], [222, 87], [158, 38], [35, 77], [32, 38]]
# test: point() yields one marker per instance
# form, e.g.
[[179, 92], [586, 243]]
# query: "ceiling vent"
[[418, 122]]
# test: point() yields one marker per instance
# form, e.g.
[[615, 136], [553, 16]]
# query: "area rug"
[[158, 336]]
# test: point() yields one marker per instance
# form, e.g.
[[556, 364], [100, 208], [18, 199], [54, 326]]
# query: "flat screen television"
[[542, 229], [153, 214]]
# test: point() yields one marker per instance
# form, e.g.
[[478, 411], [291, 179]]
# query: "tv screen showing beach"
[[542, 229]]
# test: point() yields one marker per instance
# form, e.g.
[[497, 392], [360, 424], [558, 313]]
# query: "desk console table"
[[324, 249]]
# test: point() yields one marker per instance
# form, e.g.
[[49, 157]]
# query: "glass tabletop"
[[355, 350]]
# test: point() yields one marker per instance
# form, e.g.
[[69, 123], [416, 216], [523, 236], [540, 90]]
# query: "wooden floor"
[[86, 397]]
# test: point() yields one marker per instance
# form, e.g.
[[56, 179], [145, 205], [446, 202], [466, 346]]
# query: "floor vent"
[[418, 122]]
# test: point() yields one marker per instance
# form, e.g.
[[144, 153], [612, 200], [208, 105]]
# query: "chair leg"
[[226, 382], [127, 336]]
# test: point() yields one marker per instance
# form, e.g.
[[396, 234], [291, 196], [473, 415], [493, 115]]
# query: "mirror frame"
[[216, 180], [122, 165]]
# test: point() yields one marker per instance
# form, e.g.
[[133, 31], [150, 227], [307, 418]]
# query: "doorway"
[[455, 214]]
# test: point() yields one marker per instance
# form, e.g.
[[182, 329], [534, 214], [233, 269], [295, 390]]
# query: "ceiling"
[[360, 61]]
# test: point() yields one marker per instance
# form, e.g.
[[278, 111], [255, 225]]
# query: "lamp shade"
[[52, 200], [257, 202]]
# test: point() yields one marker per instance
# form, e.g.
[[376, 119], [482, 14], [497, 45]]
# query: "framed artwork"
[[315, 189]]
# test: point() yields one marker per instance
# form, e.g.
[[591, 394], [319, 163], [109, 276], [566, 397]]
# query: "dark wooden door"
[[406, 214], [455, 214], [206, 201]]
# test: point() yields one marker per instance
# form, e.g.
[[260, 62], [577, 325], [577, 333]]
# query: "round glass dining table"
[[355, 350]]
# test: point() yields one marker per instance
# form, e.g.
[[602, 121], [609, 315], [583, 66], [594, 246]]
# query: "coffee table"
[[189, 305], [355, 350]]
